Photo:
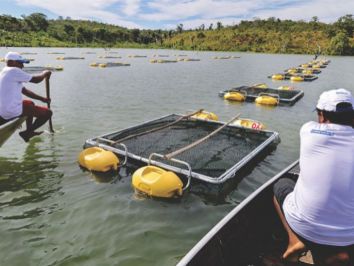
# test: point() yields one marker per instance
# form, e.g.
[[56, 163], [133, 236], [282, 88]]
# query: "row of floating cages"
[[179, 59], [29, 59], [293, 77], [108, 64], [36, 69], [262, 94], [226, 57], [301, 70], [69, 58], [214, 160], [304, 72]]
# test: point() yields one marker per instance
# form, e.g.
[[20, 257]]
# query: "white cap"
[[13, 56], [329, 99]]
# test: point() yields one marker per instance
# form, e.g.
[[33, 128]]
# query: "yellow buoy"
[[235, 96], [297, 78], [292, 71], [59, 68], [206, 116], [267, 100], [249, 123], [278, 77], [260, 86], [305, 65], [94, 64], [285, 88], [318, 66], [307, 71], [98, 159], [102, 65], [157, 182]]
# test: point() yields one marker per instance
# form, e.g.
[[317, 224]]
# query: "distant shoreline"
[[270, 35]]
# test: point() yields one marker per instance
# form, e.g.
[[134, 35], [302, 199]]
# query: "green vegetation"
[[269, 36]]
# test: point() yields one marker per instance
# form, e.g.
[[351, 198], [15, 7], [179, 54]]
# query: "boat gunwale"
[[229, 216]]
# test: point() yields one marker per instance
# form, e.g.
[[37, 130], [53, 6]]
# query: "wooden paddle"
[[172, 154], [47, 88]]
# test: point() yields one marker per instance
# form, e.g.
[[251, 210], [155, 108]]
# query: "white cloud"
[[205, 9], [192, 13], [132, 7], [326, 10], [82, 9]]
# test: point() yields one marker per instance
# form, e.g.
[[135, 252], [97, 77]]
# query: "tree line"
[[270, 35]]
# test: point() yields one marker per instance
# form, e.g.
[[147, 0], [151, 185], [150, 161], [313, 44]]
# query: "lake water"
[[53, 213]]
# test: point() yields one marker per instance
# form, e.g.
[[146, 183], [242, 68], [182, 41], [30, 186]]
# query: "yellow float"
[[103, 65], [98, 159], [297, 78], [157, 182], [235, 96], [260, 86], [59, 68], [266, 99], [305, 65], [206, 116], [292, 71], [249, 123], [285, 88], [307, 71], [94, 65], [278, 77]]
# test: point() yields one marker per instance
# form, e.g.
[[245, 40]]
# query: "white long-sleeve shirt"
[[11, 79], [321, 207]]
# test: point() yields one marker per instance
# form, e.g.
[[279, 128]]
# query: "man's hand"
[[46, 100], [39, 78], [47, 73]]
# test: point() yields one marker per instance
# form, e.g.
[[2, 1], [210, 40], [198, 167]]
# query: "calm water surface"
[[53, 213]]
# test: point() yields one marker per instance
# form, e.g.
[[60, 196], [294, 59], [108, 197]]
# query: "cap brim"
[[23, 61]]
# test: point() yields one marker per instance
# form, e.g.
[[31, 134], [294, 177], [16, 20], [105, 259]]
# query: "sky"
[[167, 14]]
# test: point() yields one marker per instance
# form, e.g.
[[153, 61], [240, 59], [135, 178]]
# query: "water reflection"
[[30, 180]]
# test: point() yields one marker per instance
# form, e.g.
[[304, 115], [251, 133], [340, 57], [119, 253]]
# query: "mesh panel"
[[211, 158], [254, 92]]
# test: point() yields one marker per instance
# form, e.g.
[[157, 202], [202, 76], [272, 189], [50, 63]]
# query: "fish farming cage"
[[307, 77], [37, 69], [214, 160], [288, 97]]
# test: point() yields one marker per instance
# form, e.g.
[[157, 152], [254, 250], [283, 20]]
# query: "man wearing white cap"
[[12, 78], [318, 211]]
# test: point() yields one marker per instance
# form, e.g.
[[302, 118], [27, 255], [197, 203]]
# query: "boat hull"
[[6, 130], [245, 234]]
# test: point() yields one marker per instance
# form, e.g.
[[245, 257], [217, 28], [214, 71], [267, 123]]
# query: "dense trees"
[[258, 35]]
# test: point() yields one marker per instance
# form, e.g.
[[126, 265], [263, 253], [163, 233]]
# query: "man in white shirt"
[[318, 211], [12, 78]]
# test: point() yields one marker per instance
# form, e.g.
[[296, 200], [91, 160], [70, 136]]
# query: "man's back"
[[321, 209], [11, 79]]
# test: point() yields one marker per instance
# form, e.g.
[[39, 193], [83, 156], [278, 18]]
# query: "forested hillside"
[[269, 36]]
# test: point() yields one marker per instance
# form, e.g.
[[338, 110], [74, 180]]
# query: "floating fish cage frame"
[[288, 97], [215, 160], [306, 77]]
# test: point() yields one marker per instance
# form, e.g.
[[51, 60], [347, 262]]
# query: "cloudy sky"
[[166, 14]]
